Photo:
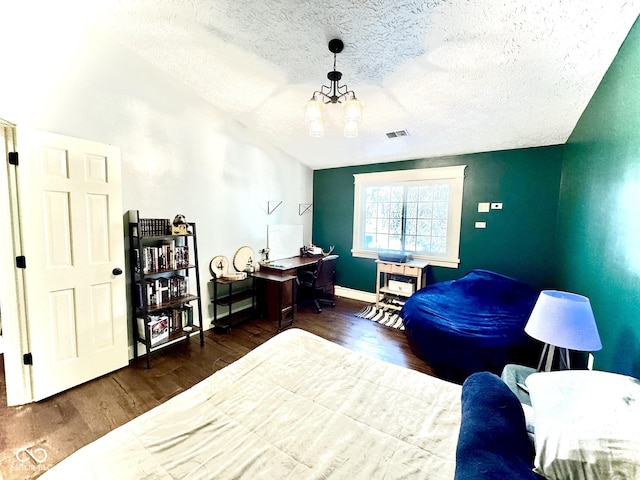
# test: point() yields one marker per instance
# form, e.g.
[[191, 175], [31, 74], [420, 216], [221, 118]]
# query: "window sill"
[[433, 261]]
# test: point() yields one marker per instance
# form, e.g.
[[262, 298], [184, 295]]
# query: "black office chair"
[[317, 287]]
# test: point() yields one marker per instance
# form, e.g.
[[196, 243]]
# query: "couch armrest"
[[493, 443]]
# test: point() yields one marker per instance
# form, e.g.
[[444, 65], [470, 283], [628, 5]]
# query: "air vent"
[[399, 133]]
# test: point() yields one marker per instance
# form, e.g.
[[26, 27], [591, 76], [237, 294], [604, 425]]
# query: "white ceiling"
[[459, 76]]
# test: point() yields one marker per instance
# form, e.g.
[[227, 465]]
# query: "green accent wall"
[[599, 210], [571, 217], [519, 240]]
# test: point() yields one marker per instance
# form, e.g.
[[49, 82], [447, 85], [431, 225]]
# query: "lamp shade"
[[352, 110], [313, 111], [565, 320]]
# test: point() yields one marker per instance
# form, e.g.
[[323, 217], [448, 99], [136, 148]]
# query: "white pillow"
[[587, 425]]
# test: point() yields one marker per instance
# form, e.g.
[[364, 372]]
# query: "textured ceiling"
[[460, 76]]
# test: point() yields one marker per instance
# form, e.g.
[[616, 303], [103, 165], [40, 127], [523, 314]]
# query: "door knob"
[[117, 271]]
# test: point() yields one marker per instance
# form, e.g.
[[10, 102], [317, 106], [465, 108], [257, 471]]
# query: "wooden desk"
[[276, 296], [277, 287], [290, 266]]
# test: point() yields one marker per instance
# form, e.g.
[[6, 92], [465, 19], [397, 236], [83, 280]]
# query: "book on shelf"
[[181, 256], [150, 227], [181, 317], [158, 258], [138, 295], [158, 326], [167, 321], [161, 290], [178, 285]]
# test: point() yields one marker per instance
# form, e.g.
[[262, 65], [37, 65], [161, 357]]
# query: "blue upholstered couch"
[[493, 443]]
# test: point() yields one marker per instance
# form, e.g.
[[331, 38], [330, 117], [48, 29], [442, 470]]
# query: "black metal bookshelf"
[[163, 295]]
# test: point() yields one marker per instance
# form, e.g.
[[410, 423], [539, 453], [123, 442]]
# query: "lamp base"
[[547, 358]]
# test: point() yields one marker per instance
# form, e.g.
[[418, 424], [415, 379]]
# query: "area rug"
[[384, 316]]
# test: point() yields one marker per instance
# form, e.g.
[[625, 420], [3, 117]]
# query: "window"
[[417, 211]]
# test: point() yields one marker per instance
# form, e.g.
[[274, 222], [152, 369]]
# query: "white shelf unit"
[[414, 269]]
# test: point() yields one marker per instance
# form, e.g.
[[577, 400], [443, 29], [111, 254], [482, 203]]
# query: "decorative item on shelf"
[[243, 258], [249, 267], [563, 320], [179, 225], [218, 266], [265, 255], [234, 275], [333, 93]]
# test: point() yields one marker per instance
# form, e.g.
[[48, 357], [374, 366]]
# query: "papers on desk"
[[280, 265]]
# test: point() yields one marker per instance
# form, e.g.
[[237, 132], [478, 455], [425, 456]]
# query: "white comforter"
[[297, 407]]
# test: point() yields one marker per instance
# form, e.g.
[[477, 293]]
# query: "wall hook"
[[272, 205], [304, 208]]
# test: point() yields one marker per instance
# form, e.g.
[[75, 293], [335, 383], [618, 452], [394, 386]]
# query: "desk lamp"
[[564, 320]]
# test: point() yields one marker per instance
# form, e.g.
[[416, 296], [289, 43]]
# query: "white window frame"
[[453, 175]]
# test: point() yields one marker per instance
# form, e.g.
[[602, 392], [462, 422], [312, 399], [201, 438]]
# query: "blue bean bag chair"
[[472, 324]]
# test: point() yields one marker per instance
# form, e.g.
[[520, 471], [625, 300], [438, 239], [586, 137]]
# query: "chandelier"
[[333, 93]]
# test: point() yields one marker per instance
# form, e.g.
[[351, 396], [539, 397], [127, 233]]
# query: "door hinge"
[[13, 158], [21, 262], [27, 359]]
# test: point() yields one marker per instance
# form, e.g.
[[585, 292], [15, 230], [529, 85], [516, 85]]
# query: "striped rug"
[[384, 316]]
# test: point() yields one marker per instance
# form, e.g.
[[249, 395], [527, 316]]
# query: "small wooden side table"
[[413, 269]]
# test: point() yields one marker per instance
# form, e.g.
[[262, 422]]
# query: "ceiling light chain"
[[333, 93]]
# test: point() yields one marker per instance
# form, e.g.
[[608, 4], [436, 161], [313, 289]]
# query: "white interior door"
[[14, 323], [72, 236]]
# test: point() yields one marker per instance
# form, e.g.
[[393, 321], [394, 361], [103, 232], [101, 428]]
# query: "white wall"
[[180, 155]]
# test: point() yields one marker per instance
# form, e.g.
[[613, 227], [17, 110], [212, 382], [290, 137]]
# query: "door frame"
[[12, 299]]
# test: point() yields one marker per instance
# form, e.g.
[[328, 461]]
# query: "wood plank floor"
[[63, 423]]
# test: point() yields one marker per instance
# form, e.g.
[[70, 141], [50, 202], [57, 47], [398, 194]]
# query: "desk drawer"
[[385, 267], [397, 268], [412, 271]]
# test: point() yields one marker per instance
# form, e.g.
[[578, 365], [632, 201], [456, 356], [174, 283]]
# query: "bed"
[[297, 406], [301, 407], [471, 324]]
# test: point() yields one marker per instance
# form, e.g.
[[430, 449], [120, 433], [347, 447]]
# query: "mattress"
[[297, 406]]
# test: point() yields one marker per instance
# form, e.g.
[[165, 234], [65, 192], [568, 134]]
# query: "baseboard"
[[355, 294]]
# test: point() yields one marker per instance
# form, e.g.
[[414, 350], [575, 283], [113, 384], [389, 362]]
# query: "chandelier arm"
[[334, 93], [342, 90]]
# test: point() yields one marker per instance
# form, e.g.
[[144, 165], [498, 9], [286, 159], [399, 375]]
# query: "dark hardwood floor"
[[54, 428]]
